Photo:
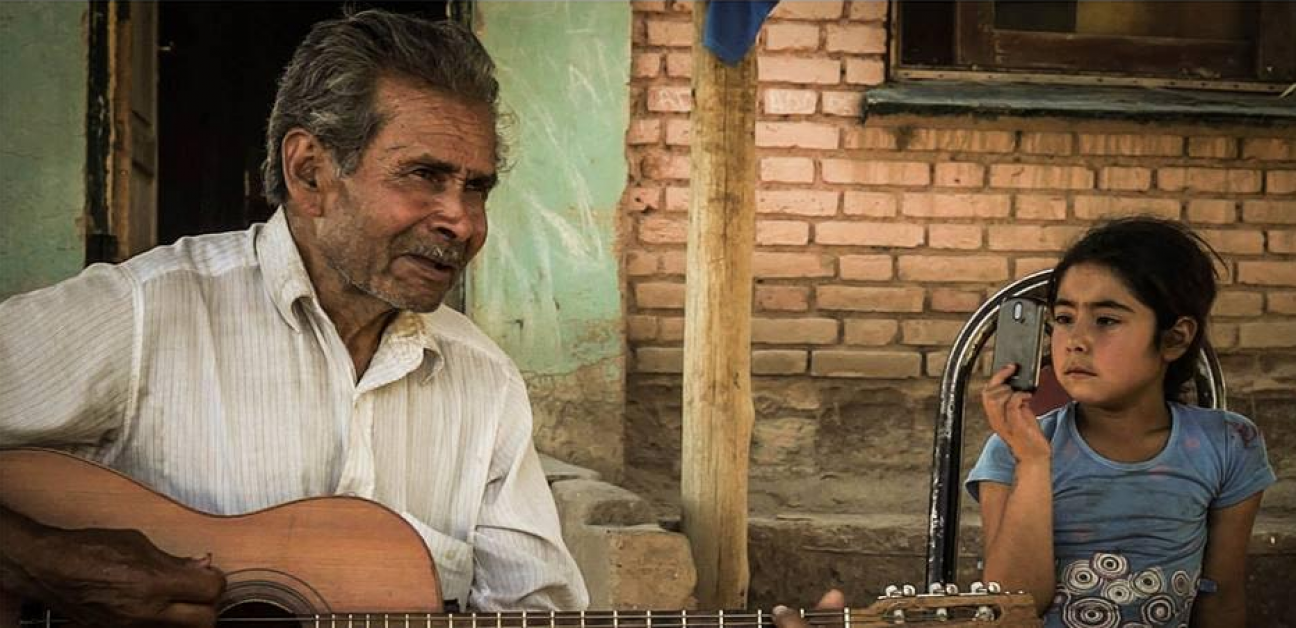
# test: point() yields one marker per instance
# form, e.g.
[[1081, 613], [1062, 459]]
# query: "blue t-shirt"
[[1129, 538]]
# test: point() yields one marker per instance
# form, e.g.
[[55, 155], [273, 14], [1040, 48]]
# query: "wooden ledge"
[[1143, 104]]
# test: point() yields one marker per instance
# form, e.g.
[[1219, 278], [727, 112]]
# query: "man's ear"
[[304, 160], [1176, 340]]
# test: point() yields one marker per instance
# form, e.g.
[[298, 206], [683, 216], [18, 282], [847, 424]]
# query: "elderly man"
[[306, 356]]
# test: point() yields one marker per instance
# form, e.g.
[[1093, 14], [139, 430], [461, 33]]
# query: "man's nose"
[[454, 218]]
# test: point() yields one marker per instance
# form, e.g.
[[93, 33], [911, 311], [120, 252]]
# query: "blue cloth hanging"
[[732, 26]]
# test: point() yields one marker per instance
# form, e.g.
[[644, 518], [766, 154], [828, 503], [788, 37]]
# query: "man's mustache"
[[454, 254]]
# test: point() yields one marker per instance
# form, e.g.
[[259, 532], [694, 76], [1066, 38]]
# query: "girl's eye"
[[1107, 321], [1061, 319]]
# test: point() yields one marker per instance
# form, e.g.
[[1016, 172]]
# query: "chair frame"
[[942, 522]]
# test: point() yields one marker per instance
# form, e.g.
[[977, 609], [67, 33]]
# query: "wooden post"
[[717, 324]]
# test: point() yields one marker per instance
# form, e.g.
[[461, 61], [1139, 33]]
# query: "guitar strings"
[[631, 619], [600, 619], [414, 619]]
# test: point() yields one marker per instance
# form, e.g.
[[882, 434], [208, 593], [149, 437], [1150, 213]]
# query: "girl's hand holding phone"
[[1012, 419]]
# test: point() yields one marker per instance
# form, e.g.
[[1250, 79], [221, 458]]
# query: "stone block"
[[629, 562]]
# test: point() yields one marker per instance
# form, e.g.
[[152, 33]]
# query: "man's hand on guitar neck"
[[833, 600], [98, 577]]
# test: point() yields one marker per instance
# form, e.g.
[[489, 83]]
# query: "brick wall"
[[875, 241]]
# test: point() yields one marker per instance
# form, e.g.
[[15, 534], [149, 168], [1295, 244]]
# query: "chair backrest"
[[942, 521]]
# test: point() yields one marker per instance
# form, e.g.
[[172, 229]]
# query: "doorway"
[[218, 63]]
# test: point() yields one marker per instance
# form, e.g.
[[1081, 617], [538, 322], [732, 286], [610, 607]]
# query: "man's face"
[[402, 227]]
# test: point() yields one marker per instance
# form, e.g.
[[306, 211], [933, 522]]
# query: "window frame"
[[1027, 56]]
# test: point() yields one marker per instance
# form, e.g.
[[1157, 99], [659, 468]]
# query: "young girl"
[[1123, 507]]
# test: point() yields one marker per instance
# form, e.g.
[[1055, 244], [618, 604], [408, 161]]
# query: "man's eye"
[[482, 185]]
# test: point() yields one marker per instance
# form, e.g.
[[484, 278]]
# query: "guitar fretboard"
[[846, 618]]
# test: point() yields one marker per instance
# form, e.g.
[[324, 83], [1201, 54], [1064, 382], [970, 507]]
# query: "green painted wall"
[[547, 285], [43, 76]]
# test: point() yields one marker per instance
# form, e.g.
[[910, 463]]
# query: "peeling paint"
[[546, 286], [43, 116]]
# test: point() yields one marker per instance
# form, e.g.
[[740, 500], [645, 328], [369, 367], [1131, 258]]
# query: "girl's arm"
[[1018, 520], [1018, 525], [1228, 530]]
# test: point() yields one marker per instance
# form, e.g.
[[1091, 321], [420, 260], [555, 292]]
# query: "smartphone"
[[1019, 339]]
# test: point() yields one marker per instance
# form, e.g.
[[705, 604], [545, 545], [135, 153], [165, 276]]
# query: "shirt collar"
[[413, 332], [282, 267], [287, 282]]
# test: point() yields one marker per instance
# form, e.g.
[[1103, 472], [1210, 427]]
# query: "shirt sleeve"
[[996, 464], [1246, 464], [521, 560], [67, 357]]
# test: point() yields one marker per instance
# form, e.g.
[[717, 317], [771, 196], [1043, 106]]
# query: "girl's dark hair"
[[1165, 264]]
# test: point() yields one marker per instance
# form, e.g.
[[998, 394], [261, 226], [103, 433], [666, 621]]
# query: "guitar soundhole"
[[247, 613]]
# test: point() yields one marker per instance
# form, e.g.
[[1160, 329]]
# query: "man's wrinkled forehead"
[[417, 112]]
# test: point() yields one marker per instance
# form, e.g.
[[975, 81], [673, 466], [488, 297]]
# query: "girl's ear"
[[1176, 340]]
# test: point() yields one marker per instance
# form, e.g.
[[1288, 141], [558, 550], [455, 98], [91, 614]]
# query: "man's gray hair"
[[328, 87]]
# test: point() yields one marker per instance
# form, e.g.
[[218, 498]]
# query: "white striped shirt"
[[208, 371]]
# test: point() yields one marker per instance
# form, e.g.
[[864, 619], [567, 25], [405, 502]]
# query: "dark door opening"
[[218, 63]]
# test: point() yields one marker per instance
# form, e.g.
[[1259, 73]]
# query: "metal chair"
[[942, 522]]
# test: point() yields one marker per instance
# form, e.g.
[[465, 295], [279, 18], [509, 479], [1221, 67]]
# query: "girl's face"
[[1105, 352]]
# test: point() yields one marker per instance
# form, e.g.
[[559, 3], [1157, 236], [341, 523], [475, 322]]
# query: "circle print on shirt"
[[1110, 566], [1092, 612], [1181, 583], [1119, 591], [1150, 581], [1158, 609], [1079, 577]]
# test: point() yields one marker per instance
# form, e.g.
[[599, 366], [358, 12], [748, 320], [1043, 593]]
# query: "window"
[[1208, 44]]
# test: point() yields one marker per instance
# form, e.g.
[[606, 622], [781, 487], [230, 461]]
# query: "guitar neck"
[[949, 612], [580, 619], [516, 619]]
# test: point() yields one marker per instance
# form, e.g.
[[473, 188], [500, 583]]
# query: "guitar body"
[[340, 562], [312, 556]]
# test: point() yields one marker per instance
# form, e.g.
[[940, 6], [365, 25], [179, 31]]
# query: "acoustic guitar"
[[344, 562]]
